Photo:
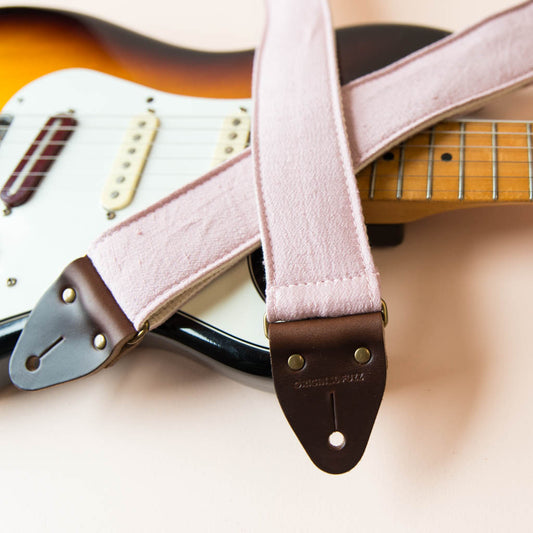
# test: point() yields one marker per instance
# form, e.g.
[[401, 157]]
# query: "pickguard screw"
[[6, 211], [150, 99], [236, 121], [11, 282], [296, 361], [232, 135], [111, 215], [68, 295], [228, 149], [362, 355], [99, 342]]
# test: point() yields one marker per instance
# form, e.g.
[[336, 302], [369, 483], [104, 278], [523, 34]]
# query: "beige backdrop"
[[162, 443]]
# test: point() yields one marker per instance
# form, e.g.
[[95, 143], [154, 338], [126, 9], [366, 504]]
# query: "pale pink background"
[[162, 443]]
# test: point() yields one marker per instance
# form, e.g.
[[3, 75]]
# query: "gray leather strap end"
[[76, 328], [329, 375]]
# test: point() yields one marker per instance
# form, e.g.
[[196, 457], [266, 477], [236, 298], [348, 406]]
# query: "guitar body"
[[101, 75]]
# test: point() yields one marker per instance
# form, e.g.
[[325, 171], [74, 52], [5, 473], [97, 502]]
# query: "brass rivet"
[[362, 355], [68, 295], [99, 342], [296, 361], [11, 282]]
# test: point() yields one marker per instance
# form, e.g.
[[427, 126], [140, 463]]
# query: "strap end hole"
[[336, 440]]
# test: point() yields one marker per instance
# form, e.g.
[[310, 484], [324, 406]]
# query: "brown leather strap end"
[[329, 375], [76, 328]]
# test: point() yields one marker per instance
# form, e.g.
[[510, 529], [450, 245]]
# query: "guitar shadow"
[[445, 287]]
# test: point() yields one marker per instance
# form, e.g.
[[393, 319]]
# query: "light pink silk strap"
[[380, 109], [317, 257]]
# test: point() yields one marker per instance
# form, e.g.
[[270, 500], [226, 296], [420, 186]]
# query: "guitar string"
[[214, 128], [364, 192]]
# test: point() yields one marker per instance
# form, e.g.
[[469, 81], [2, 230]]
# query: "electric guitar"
[[98, 122]]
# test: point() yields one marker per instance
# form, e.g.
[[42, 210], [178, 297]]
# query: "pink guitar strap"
[[323, 299], [142, 270]]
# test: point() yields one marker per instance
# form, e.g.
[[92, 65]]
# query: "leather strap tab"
[[332, 401], [76, 328]]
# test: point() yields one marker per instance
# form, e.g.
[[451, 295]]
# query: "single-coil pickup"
[[38, 159], [120, 186], [234, 136]]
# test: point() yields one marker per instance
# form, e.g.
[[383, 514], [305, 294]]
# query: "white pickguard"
[[39, 238]]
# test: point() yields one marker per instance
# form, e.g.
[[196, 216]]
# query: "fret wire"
[[401, 165], [461, 194], [530, 159], [494, 162], [372, 188], [431, 156]]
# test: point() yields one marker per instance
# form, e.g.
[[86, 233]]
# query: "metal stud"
[[296, 361], [111, 215], [6, 211], [100, 342], [68, 295], [384, 313], [11, 282], [362, 355]]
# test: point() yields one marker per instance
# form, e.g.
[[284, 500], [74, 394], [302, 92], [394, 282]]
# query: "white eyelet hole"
[[336, 440]]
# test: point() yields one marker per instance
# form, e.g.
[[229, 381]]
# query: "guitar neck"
[[455, 164]]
